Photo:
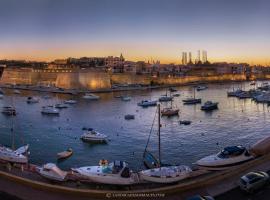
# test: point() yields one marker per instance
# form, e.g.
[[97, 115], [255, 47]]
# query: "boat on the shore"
[[14, 156], [9, 110], [209, 105], [32, 100], [230, 156], [147, 103], [91, 96], [50, 110], [162, 174], [115, 173], [52, 172], [65, 154], [93, 136]]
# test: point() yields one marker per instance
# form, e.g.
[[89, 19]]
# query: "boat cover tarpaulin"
[[261, 147]]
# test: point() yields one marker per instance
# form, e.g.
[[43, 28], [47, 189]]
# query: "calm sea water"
[[237, 122]]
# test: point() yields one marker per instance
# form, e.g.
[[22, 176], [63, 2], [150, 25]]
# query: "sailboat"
[[14, 156], [164, 174], [170, 111], [165, 98], [193, 100]]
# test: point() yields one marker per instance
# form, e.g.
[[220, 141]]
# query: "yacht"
[[201, 87], [17, 156], [32, 100], [93, 136], [159, 173], [209, 105], [50, 110], [61, 105], [115, 173], [9, 110], [70, 101], [52, 172], [146, 103], [168, 174], [230, 156], [90, 96]]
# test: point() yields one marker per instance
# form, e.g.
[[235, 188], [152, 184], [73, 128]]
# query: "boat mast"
[[159, 125]]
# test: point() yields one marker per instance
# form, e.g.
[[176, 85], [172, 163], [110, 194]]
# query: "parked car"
[[253, 181], [199, 197]]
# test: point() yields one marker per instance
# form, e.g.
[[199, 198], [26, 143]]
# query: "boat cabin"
[[117, 167], [232, 151]]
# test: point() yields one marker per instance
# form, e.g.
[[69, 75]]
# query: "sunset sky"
[[230, 30]]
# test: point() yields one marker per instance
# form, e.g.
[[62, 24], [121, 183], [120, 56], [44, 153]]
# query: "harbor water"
[[236, 122]]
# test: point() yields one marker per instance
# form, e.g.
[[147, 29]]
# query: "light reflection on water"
[[236, 122]]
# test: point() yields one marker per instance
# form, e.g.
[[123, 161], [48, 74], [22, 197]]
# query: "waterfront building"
[[115, 64]]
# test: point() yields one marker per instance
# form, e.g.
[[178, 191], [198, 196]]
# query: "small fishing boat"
[[230, 156], [147, 103], [176, 95], [61, 105], [93, 136], [52, 172], [32, 100], [9, 110], [70, 101], [125, 98], [129, 117], [115, 173], [50, 110], [172, 89], [201, 87], [65, 154], [209, 105], [185, 122], [169, 112], [90, 96]]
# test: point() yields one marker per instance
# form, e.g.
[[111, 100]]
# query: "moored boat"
[[70, 101], [9, 110], [169, 112], [91, 96], [115, 173], [209, 105], [65, 154], [9, 155], [32, 100], [93, 136], [50, 110], [230, 156], [201, 87], [147, 103], [52, 172], [125, 98], [61, 105]]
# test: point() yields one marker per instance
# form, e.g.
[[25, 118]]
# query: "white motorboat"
[[61, 105], [16, 92], [70, 101], [115, 173], [90, 96], [9, 110], [147, 103], [162, 174], [125, 98], [93, 136], [52, 172], [201, 87], [228, 157], [50, 110], [17, 156], [32, 100], [168, 174]]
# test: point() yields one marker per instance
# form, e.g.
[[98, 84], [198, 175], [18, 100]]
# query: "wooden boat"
[[65, 154], [169, 112]]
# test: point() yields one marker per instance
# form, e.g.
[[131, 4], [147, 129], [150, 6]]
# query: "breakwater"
[[95, 79]]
